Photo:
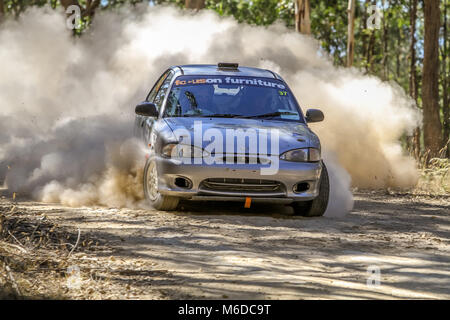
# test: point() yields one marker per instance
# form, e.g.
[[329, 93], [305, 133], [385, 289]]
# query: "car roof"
[[212, 69]]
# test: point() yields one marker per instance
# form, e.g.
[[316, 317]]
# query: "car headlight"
[[302, 155], [177, 150]]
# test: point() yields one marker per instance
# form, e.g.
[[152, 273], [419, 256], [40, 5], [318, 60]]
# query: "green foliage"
[[259, 12], [15, 7], [108, 4], [329, 26]]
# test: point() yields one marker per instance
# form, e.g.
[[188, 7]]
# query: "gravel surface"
[[224, 251]]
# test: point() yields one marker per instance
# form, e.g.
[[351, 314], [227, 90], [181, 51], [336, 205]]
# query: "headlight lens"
[[314, 155], [298, 155], [176, 150], [302, 155]]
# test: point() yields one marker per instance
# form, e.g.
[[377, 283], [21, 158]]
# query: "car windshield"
[[231, 97]]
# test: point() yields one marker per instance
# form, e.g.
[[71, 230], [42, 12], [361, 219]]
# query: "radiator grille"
[[239, 186]]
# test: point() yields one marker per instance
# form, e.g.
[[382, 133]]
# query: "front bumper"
[[289, 174]]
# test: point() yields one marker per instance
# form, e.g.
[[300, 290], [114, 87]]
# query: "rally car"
[[230, 133]]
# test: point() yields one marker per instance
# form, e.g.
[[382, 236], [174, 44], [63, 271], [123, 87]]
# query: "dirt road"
[[221, 251]]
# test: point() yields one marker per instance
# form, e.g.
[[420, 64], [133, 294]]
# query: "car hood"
[[292, 134]]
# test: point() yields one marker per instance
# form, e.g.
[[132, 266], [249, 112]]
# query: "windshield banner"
[[261, 82]]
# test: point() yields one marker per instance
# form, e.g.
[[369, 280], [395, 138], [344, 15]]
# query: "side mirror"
[[147, 109], [314, 115]]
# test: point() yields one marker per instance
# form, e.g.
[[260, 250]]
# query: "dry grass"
[[435, 178], [35, 254]]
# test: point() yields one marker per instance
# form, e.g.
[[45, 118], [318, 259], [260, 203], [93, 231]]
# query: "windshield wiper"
[[216, 115], [221, 115], [274, 114], [189, 115]]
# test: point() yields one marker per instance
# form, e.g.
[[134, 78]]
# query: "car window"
[[155, 89], [159, 98], [231, 96]]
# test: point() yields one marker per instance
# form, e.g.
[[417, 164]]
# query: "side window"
[[152, 94], [159, 98]]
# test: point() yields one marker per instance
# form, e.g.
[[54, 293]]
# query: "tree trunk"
[[302, 19], [445, 90], [385, 61], [1, 9], [350, 36], [194, 4], [370, 53], [432, 128], [365, 37], [398, 55], [413, 88]]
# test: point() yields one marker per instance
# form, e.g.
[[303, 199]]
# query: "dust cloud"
[[67, 104]]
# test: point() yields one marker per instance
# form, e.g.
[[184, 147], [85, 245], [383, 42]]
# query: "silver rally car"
[[230, 133]]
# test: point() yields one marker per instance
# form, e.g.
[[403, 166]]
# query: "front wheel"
[[156, 199], [316, 207]]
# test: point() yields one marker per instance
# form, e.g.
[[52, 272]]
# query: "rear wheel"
[[316, 207], [156, 199]]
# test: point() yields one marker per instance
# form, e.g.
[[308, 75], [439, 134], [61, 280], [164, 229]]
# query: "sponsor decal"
[[260, 82]]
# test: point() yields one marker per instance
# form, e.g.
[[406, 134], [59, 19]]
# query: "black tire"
[[318, 206], [157, 201]]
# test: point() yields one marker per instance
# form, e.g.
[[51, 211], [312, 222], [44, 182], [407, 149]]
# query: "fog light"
[[183, 183], [301, 187]]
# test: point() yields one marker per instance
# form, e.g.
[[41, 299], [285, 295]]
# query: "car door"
[[157, 96], [141, 122]]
